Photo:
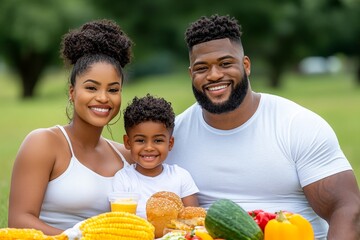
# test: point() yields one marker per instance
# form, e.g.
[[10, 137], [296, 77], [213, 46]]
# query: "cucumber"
[[226, 219]]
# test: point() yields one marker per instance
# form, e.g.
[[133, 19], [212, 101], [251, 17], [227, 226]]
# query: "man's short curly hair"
[[211, 28], [149, 108]]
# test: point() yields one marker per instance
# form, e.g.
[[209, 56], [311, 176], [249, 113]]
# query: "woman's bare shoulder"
[[42, 141], [44, 135], [39, 149]]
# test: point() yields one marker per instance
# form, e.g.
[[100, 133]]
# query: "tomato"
[[188, 236], [196, 238], [191, 236]]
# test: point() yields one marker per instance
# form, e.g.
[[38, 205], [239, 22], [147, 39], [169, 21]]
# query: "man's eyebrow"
[[225, 57], [219, 59]]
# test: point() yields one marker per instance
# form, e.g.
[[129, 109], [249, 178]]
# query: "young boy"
[[149, 123]]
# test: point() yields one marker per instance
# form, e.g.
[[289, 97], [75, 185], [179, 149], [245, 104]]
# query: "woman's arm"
[[124, 151], [31, 174]]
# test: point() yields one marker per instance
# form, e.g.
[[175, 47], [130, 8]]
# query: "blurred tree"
[[271, 30], [340, 22], [270, 27], [30, 34], [281, 32]]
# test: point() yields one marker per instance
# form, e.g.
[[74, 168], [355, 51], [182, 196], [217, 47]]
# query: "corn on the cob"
[[27, 234], [111, 225], [117, 225]]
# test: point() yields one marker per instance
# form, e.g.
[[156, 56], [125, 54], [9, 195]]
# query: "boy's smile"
[[149, 143]]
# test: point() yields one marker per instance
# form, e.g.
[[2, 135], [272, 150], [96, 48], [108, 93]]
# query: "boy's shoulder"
[[126, 169], [174, 168]]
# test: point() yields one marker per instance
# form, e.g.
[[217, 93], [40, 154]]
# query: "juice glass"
[[124, 201]]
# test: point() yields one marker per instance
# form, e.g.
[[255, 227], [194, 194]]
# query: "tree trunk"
[[358, 72], [275, 75], [30, 68]]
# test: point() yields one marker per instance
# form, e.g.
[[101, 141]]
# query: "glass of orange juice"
[[124, 201]]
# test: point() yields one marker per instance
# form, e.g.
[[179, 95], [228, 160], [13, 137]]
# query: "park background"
[[304, 50]]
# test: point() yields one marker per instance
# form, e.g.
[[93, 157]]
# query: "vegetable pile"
[[227, 220]]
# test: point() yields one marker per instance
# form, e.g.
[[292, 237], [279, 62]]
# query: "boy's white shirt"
[[173, 179]]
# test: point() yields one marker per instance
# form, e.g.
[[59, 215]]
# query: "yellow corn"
[[111, 225], [117, 225], [27, 234]]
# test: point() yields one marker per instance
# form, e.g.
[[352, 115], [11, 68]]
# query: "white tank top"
[[77, 194]]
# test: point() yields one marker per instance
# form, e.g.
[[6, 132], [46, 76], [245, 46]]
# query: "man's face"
[[219, 73]]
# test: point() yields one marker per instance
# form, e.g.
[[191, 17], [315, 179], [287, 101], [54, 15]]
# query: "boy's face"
[[149, 143]]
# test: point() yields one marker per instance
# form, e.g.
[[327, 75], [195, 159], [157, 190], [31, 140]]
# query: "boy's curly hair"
[[211, 28], [149, 108]]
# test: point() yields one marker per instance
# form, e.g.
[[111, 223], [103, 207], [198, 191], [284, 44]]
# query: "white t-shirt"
[[173, 179], [262, 164]]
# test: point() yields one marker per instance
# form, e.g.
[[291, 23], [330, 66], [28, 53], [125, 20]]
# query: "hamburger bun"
[[192, 212], [161, 208], [188, 218], [170, 196]]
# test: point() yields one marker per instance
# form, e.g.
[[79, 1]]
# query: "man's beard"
[[236, 98]]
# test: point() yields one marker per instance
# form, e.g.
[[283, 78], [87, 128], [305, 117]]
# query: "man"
[[259, 150]]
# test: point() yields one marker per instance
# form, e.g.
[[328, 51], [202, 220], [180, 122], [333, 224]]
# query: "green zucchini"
[[226, 219]]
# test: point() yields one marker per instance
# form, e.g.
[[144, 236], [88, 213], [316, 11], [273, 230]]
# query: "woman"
[[62, 174]]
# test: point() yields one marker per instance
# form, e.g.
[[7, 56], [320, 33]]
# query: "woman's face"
[[97, 94]]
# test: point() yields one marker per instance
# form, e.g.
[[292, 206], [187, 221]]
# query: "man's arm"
[[337, 200]]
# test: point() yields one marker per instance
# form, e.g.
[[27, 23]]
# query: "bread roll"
[[192, 216], [161, 208], [192, 212], [170, 196]]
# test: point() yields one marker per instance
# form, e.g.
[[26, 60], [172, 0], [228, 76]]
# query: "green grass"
[[334, 97]]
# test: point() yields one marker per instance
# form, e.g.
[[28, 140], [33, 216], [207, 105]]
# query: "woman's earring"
[[69, 108]]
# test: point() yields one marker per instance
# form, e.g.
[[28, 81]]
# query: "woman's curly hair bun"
[[96, 37]]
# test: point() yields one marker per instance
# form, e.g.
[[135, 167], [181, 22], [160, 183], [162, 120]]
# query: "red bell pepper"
[[261, 217]]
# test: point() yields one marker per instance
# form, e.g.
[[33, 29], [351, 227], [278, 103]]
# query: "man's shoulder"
[[280, 102]]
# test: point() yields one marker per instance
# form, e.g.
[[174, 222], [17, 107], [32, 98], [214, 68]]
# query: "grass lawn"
[[334, 97]]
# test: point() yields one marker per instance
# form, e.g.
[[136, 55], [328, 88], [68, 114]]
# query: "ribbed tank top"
[[77, 194]]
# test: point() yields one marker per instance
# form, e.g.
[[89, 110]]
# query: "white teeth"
[[217, 87], [100, 109]]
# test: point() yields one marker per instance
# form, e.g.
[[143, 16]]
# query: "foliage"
[[31, 32], [277, 32], [281, 32]]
